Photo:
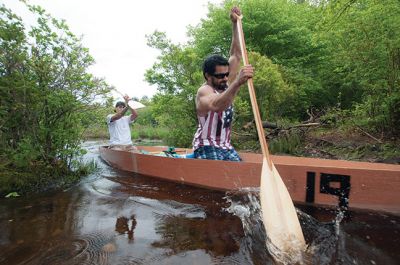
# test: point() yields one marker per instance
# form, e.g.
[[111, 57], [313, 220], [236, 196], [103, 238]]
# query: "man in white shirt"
[[119, 126]]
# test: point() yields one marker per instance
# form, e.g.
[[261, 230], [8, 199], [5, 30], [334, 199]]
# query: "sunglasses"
[[221, 75]]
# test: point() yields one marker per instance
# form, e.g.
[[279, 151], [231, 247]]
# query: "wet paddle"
[[279, 215], [132, 103]]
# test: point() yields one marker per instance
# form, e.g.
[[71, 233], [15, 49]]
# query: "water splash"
[[326, 241]]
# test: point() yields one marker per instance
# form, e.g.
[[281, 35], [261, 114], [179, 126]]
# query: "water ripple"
[[90, 249]]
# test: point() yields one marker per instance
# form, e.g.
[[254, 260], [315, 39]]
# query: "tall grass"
[[96, 132], [148, 132], [287, 143]]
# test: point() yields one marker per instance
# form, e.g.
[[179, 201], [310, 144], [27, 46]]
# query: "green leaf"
[[12, 195]]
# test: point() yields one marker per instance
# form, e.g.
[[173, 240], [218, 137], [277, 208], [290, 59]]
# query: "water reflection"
[[180, 234], [114, 217], [126, 226]]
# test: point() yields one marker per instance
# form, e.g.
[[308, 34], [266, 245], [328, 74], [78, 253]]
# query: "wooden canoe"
[[361, 185]]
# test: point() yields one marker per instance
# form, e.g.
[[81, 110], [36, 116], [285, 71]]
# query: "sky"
[[114, 31]]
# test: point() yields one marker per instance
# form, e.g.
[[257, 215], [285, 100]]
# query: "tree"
[[364, 59], [47, 96]]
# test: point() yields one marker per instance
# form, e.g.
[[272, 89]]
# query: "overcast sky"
[[114, 31]]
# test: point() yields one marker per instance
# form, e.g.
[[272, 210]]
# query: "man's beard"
[[221, 86]]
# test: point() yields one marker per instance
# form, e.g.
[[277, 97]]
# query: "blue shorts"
[[215, 153]]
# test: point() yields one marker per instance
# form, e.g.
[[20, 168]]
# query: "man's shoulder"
[[205, 89]]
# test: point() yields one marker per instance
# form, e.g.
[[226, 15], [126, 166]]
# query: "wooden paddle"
[[279, 215], [132, 103]]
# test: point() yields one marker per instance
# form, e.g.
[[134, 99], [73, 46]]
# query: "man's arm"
[[235, 51], [207, 100], [134, 113]]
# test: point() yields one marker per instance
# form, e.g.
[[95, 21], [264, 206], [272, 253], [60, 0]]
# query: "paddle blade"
[[280, 218], [135, 104]]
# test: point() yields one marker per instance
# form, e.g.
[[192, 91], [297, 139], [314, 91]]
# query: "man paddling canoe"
[[214, 101], [118, 126]]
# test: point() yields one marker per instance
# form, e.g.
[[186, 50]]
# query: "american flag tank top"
[[214, 129]]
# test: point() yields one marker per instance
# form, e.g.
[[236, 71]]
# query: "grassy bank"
[[352, 144], [148, 132], [96, 132], [323, 142]]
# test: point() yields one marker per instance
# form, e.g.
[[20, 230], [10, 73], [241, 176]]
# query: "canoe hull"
[[317, 181]]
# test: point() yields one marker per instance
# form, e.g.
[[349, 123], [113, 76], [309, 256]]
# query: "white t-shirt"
[[120, 132]]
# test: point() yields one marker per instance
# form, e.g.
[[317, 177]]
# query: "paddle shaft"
[[119, 92], [254, 104]]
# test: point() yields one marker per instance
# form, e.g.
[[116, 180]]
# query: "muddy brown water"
[[114, 217]]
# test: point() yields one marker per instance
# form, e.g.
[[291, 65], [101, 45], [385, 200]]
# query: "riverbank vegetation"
[[327, 83], [47, 100]]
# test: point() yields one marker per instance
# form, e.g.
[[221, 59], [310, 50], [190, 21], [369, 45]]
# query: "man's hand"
[[245, 74], [235, 13], [126, 98]]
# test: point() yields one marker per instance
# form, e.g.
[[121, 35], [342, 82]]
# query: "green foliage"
[[149, 132], [378, 116], [273, 94], [178, 117], [12, 195], [286, 144], [42, 176], [177, 75], [364, 59], [146, 116], [46, 96]]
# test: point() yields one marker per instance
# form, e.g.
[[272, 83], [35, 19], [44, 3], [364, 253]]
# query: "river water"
[[114, 217]]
